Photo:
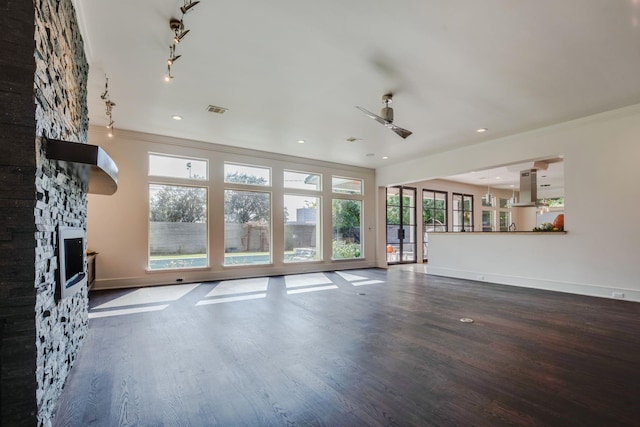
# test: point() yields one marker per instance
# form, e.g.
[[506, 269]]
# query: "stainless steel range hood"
[[103, 174], [528, 189]]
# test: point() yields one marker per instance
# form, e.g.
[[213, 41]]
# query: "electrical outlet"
[[617, 295]]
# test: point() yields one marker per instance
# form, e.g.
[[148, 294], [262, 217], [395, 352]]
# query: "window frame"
[[269, 183], [463, 210], [177, 156], [251, 189], [207, 226]]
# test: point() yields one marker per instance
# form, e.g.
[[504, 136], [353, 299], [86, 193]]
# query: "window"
[[302, 180], [302, 234], [177, 167], [434, 216], [246, 174], [346, 185], [505, 220], [247, 227], [434, 210], [177, 226], [462, 211], [488, 220], [347, 224]]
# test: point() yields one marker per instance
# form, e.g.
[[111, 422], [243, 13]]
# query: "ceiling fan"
[[386, 116]]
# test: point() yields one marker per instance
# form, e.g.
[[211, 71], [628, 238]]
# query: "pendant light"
[[512, 200], [488, 196]]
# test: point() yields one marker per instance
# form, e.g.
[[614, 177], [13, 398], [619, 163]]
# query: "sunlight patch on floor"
[[310, 279], [150, 295], [311, 289], [109, 313], [367, 282], [240, 286], [350, 277], [231, 299]]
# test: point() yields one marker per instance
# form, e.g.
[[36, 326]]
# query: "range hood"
[[103, 174], [528, 189]]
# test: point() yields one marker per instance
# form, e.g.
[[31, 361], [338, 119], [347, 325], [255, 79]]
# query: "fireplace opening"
[[71, 256]]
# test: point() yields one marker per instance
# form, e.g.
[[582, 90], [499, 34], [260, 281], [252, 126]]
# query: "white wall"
[[117, 226], [600, 252]]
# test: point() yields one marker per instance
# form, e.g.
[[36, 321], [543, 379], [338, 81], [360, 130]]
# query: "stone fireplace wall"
[[61, 113], [41, 334]]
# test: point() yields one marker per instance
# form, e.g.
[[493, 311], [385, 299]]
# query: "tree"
[[170, 203], [393, 209], [346, 218], [243, 207], [246, 206]]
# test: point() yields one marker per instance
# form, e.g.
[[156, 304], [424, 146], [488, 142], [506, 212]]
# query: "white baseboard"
[[157, 278], [550, 285]]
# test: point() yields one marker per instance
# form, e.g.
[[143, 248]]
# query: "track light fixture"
[[177, 26], [169, 76], [172, 55], [105, 94], [178, 38], [187, 6], [108, 106], [179, 32]]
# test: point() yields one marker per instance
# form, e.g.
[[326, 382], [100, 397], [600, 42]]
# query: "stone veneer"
[[40, 335]]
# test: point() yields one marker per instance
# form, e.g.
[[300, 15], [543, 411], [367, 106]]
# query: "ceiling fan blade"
[[404, 133], [375, 117]]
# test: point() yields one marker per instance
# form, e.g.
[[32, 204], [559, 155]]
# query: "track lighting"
[[168, 77], [187, 6], [108, 106], [179, 32], [105, 94], [179, 36], [177, 26], [172, 55]]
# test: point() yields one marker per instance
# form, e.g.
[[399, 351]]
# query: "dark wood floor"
[[398, 355]]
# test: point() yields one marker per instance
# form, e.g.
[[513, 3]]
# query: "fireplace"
[[71, 261]]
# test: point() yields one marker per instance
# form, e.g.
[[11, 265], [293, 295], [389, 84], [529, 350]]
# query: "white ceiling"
[[292, 70]]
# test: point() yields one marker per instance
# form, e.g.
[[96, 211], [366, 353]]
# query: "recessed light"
[[385, 157], [176, 117], [482, 130], [301, 141], [497, 177]]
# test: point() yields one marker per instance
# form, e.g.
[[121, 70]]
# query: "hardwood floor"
[[312, 351]]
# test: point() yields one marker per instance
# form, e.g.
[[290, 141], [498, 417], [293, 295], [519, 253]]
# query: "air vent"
[[217, 110]]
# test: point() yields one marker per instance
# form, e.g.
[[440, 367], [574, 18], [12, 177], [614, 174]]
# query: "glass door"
[[401, 225]]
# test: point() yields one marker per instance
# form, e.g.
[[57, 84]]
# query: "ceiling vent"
[[217, 110], [353, 139]]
